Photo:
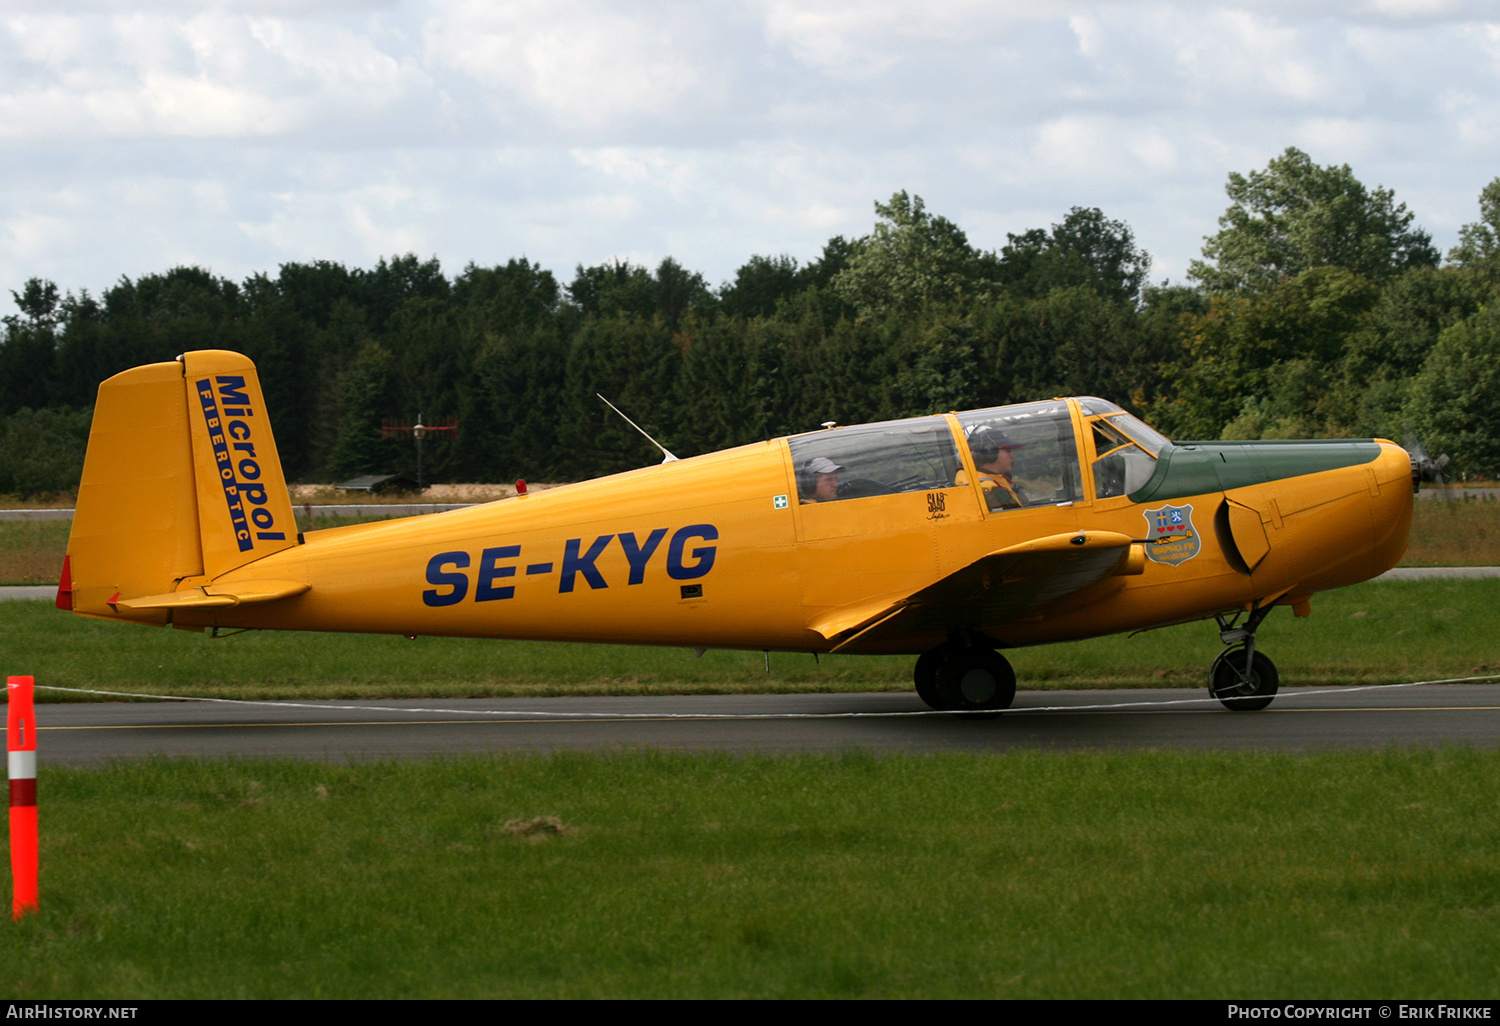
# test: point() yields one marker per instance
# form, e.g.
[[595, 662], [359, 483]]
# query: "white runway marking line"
[[525, 715]]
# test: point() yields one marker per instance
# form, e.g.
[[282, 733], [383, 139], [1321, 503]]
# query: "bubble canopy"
[[1025, 455]]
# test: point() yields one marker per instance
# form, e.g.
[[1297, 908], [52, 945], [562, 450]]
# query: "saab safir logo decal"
[[232, 436], [1174, 539], [451, 573]]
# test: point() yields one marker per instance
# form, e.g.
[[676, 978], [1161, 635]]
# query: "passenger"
[[994, 454], [822, 477]]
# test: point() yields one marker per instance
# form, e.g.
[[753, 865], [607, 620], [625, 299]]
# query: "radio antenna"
[[666, 453]]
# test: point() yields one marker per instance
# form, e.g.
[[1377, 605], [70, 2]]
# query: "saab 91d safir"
[[949, 537]]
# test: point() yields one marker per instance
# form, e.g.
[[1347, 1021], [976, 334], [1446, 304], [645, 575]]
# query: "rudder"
[[244, 509]]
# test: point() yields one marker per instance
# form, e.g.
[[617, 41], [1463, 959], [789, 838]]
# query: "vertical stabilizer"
[[244, 510], [181, 484], [135, 531]]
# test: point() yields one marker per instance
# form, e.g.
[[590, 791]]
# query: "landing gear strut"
[[966, 676], [1240, 677]]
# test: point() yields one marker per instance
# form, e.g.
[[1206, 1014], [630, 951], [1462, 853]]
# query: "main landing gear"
[[1240, 677], [966, 676]]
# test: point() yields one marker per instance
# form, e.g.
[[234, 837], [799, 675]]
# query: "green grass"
[[31, 551], [1029, 875], [1454, 532], [1409, 630]]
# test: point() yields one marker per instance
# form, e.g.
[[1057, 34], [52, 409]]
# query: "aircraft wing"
[[1015, 583]]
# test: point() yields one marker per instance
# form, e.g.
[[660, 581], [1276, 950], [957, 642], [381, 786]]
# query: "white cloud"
[[242, 135]]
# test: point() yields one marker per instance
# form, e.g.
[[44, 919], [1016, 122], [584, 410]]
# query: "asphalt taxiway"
[[1302, 719]]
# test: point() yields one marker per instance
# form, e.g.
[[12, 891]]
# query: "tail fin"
[[182, 483]]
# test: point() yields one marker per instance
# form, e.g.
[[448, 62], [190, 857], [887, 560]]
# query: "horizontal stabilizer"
[[237, 594]]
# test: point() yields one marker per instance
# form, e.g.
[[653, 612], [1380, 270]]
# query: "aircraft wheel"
[[1227, 684], [925, 674], [978, 681]]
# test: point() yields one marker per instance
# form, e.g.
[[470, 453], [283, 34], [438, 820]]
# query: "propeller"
[[1424, 467]]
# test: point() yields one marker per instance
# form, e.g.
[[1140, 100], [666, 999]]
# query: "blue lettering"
[[229, 386], [254, 493], [638, 555], [238, 430], [704, 554], [249, 470], [489, 571], [457, 581], [261, 518], [212, 422], [574, 564]]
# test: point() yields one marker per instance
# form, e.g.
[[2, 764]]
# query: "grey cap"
[[822, 465]]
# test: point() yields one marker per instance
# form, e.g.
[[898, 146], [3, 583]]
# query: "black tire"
[[976, 680], [1227, 684], [925, 675]]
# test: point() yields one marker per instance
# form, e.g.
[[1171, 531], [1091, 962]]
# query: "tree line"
[[1318, 309]]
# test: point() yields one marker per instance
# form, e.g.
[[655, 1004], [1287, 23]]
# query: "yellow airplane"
[[948, 537]]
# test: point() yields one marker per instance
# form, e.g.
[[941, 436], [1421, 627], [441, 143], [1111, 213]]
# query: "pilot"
[[823, 476], [994, 453]]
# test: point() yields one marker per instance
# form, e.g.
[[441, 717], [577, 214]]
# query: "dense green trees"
[[1318, 309], [1454, 401], [41, 451], [1295, 215], [911, 260], [1327, 315], [1086, 250]]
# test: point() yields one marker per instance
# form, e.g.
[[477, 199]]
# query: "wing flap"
[[847, 618]]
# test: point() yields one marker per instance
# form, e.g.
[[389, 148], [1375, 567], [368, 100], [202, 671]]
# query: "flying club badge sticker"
[[1174, 539]]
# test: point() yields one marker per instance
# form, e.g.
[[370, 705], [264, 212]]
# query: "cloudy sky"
[[238, 136]]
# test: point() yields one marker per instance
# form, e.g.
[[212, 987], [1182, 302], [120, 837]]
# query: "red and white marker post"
[[20, 738]]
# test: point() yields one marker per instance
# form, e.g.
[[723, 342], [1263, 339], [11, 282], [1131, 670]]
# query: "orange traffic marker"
[[20, 736]]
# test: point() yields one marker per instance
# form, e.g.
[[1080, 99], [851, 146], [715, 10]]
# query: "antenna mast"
[[668, 457]]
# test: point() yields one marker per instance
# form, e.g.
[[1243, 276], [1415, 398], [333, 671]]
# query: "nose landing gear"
[[966, 677], [1241, 678]]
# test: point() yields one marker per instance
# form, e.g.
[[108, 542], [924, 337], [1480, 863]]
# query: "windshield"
[[1122, 465], [1142, 433]]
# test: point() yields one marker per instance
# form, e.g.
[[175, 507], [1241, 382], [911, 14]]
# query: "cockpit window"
[[1122, 466], [1093, 406], [1143, 434], [1025, 455], [875, 459]]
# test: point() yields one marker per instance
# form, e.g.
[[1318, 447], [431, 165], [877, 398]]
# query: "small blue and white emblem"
[[1174, 540]]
